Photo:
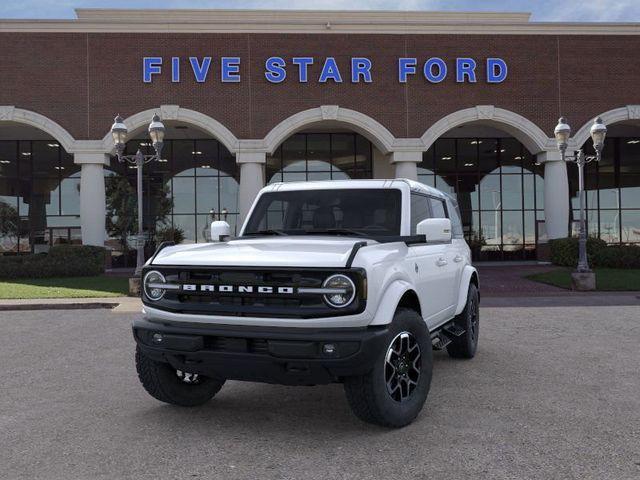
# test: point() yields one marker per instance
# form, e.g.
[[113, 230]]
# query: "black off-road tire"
[[466, 345], [368, 395], [162, 382]]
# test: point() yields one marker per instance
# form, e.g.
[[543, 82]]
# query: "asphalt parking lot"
[[554, 392]]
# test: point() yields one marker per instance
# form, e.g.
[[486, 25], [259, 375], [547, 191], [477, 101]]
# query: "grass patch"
[[71, 287], [607, 279]]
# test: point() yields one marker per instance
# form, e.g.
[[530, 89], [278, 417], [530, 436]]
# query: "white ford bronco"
[[353, 281]]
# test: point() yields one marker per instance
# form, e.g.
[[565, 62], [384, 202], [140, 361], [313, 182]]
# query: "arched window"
[[39, 196], [499, 189], [320, 156], [200, 178], [612, 188]]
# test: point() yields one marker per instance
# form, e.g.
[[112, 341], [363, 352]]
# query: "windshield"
[[357, 212]]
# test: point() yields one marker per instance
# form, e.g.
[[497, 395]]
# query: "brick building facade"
[[63, 81]]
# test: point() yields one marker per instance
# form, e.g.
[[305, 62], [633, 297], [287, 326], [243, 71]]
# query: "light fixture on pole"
[[119, 133], [598, 133]]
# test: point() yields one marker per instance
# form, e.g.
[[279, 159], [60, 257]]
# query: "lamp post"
[[562, 133], [156, 133]]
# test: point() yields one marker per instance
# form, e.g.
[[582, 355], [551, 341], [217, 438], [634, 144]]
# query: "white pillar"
[[251, 179], [406, 164], [556, 194], [92, 197]]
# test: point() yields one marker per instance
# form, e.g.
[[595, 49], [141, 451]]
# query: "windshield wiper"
[[337, 231], [266, 232]]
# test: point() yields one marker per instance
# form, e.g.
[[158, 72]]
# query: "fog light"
[[329, 348], [157, 338]]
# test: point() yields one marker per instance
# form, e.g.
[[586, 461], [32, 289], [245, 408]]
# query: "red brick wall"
[[82, 80]]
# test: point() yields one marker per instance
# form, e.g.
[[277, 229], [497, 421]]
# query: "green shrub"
[[61, 261], [564, 251], [169, 234], [618, 256]]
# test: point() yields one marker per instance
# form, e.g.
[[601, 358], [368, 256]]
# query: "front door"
[[434, 266], [435, 280]]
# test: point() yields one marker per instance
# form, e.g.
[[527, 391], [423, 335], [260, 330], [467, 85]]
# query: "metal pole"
[[583, 262], [140, 239]]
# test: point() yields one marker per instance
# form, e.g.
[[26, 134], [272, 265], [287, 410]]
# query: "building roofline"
[[311, 21], [286, 15]]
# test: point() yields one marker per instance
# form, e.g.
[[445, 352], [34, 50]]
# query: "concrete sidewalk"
[[117, 304]]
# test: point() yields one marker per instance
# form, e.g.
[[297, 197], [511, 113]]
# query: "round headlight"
[[152, 290], [345, 291]]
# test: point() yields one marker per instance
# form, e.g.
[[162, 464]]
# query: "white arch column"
[[93, 201], [556, 194], [406, 164], [251, 179]]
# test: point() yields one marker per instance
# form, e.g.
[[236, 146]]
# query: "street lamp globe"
[[156, 132], [562, 133], [119, 133], [598, 133]]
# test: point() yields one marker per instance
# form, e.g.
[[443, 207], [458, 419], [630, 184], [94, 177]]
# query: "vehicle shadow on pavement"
[[255, 408]]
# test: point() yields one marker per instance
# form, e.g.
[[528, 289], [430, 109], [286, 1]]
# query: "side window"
[[456, 222], [437, 206], [419, 210]]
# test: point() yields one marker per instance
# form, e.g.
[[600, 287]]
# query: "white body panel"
[[439, 273], [307, 251]]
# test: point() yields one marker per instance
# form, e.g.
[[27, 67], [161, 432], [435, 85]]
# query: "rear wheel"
[[465, 345], [176, 387], [394, 391]]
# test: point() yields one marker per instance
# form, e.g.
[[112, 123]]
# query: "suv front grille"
[[281, 301]]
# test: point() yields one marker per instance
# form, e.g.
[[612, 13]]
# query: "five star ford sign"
[[361, 69]]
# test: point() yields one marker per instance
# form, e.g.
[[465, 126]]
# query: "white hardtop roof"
[[398, 183]]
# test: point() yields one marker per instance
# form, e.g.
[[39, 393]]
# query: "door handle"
[[458, 258], [441, 262]]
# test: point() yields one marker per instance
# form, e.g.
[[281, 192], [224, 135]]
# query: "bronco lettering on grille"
[[266, 289]]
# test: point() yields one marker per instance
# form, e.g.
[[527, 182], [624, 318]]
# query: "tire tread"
[[459, 346], [150, 374], [360, 390]]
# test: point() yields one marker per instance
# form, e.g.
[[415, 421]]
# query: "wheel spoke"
[[188, 378]]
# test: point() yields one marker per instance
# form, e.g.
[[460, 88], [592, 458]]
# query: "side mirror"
[[220, 231], [435, 229]]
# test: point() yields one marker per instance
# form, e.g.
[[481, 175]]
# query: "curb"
[[57, 306]]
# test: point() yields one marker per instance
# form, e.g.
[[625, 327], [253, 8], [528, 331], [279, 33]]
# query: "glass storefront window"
[[511, 155], [612, 189], [39, 196], [630, 224], [320, 156], [499, 188], [194, 179], [512, 192], [468, 194], [445, 154], [318, 152], [610, 226]]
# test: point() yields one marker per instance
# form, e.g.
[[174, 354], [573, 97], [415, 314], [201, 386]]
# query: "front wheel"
[[395, 390], [173, 386]]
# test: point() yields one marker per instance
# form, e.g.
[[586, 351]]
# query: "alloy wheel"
[[402, 366]]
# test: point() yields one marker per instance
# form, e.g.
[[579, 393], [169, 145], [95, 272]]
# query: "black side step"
[[440, 341], [453, 329]]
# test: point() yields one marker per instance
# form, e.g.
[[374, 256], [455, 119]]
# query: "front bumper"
[[288, 356]]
